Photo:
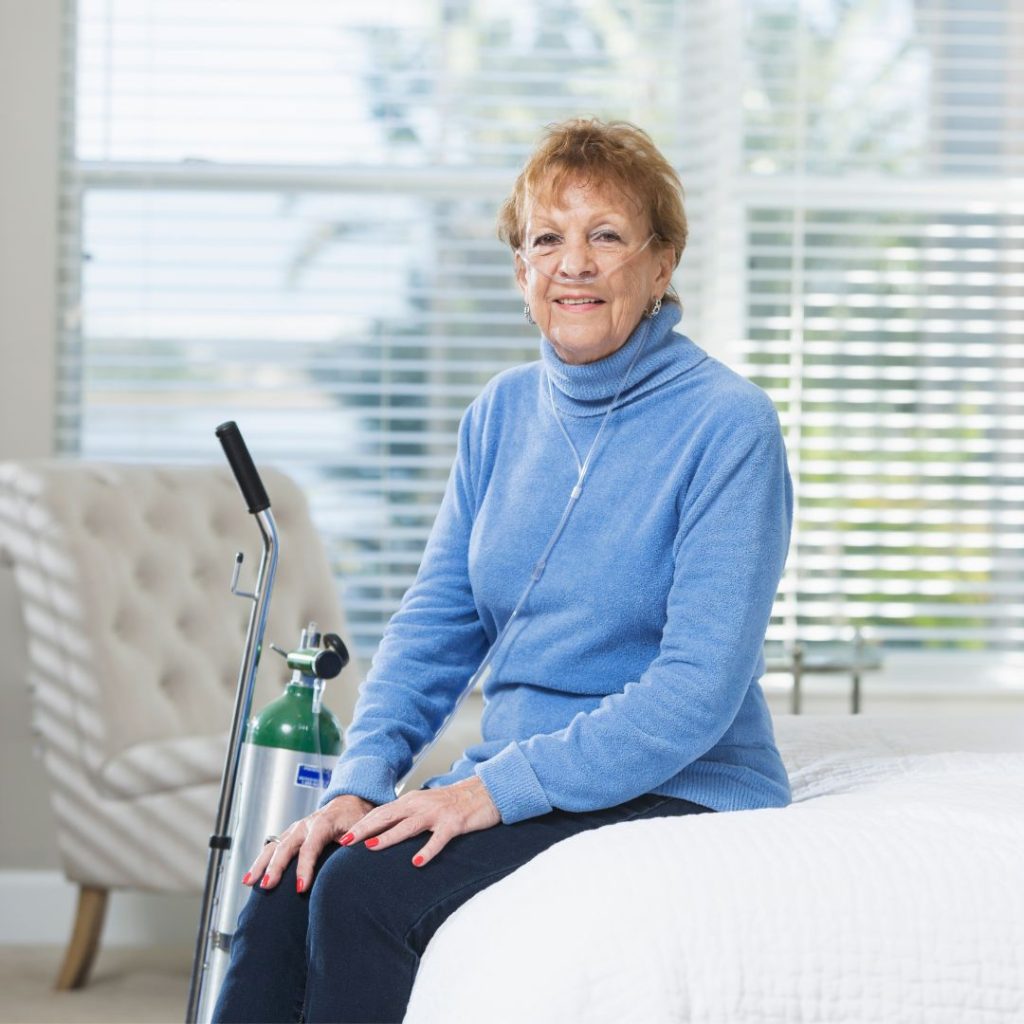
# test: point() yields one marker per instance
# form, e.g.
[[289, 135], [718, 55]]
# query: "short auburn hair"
[[591, 152]]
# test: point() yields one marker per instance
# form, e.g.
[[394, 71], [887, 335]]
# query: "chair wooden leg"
[[85, 938]]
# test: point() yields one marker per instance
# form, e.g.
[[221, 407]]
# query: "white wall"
[[29, 77]]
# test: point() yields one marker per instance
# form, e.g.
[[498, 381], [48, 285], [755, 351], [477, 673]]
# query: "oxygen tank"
[[289, 752]]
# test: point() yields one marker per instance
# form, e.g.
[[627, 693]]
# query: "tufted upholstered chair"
[[134, 643]]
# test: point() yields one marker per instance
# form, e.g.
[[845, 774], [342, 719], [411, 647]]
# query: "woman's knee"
[[357, 883], [281, 906], [341, 880]]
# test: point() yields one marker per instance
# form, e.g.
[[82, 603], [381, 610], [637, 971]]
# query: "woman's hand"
[[447, 812], [306, 837]]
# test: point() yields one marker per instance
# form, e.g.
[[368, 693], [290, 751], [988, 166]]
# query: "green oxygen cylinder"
[[287, 758], [292, 722]]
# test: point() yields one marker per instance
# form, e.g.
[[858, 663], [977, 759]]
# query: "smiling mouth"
[[580, 301]]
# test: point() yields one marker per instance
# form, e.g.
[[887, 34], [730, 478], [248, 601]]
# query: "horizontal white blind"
[[284, 214], [905, 408], [893, 87], [340, 82], [884, 297]]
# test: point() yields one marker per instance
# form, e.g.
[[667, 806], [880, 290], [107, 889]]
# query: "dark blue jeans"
[[348, 949]]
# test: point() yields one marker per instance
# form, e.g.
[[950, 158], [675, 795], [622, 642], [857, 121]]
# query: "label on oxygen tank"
[[310, 775]]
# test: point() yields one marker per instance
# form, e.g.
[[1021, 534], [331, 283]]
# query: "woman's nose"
[[578, 260]]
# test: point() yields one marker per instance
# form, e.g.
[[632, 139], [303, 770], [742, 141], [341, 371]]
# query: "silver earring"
[[655, 309], [526, 313]]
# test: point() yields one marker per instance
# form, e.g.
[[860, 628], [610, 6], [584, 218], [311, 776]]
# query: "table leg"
[[798, 672]]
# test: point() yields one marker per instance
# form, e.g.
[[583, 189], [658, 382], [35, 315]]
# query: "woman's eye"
[[542, 240], [608, 236]]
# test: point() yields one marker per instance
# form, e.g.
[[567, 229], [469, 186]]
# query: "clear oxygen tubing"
[[482, 674], [311, 637], [318, 700], [535, 257]]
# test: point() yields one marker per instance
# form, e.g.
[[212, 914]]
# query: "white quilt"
[[891, 890]]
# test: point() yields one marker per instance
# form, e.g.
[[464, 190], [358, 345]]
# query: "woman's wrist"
[[351, 798]]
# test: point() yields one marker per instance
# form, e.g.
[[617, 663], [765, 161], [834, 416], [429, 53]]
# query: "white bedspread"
[[891, 890]]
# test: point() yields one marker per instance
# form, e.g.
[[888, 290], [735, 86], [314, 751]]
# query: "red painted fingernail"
[[265, 882], [346, 839], [300, 884], [248, 878], [417, 860], [372, 842]]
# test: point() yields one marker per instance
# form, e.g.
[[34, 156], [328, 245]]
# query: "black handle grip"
[[242, 466]]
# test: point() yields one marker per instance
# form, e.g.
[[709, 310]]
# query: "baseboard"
[[39, 908]]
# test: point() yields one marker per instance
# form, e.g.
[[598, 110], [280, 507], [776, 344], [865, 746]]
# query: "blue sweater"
[[634, 666]]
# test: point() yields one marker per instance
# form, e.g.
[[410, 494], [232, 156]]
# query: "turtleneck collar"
[[586, 390]]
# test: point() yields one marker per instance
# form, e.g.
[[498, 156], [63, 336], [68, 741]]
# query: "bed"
[[892, 889]]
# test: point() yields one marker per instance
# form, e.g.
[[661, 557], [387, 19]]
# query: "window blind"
[[283, 214], [884, 308]]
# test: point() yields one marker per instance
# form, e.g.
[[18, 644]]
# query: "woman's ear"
[[520, 274], [666, 264]]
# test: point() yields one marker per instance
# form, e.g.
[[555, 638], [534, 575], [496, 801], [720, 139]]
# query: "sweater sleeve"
[[730, 550], [430, 649]]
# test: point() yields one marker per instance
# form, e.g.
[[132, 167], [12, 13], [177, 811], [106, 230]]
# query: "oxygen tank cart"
[[288, 752]]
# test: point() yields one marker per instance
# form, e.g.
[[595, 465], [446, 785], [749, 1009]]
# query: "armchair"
[[134, 642]]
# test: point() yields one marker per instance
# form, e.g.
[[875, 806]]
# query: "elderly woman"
[[609, 546]]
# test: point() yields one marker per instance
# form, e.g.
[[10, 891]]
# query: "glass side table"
[[826, 657]]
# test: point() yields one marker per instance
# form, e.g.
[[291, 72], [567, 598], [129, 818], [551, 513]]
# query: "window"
[[283, 214], [885, 312]]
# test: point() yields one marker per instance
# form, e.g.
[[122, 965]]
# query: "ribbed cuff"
[[372, 778], [513, 785]]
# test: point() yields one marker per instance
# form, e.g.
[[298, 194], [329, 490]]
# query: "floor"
[[128, 986]]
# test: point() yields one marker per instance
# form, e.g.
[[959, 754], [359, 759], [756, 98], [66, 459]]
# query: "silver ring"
[[271, 839]]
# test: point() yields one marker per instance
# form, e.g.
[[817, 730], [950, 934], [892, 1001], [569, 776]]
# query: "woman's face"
[[585, 272]]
